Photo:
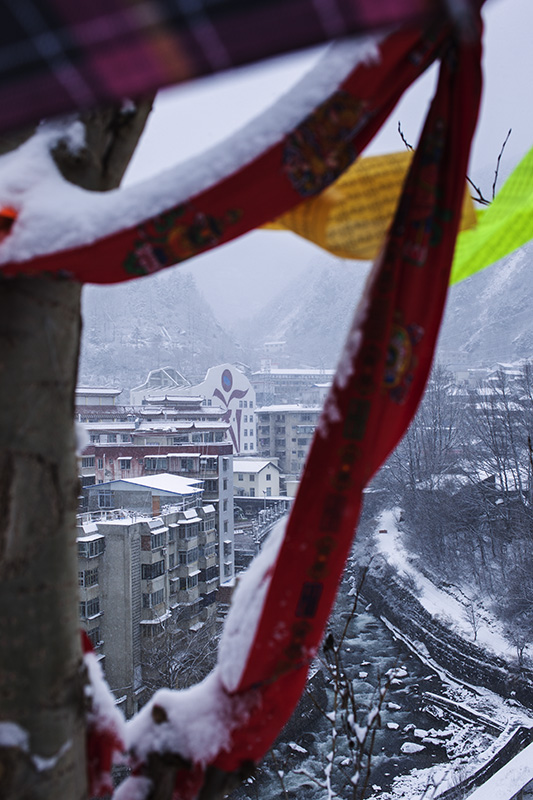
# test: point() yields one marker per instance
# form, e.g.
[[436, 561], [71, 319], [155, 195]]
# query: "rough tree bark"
[[41, 678]]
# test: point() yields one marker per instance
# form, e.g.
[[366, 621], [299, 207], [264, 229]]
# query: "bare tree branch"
[[498, 163]]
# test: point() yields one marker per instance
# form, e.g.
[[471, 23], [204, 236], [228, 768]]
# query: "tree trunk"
[[42, 683]]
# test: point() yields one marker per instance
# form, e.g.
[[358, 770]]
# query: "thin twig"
[[479, 199], [404, 140], [498, 163]]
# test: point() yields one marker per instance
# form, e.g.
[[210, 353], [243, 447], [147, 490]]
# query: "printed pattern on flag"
[[57, 56]]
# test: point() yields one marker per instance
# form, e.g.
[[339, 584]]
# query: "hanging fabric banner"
[[352, 216], [56, 57], [503, 227], [301, 165], [377, 387]]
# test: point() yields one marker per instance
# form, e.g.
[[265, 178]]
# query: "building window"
[[188, 531], [171, 561], [94, 636], [104, 499], [251, 478], [94, 438], [151, 571], [225, 526], [268, 491], [240, 476], [225, 505], [252, 492], [189, 583], [125, 437], [153, 599], [268, 476], [87, 461], [90, 608], [88, 577], [227, 549], [155, 463], [91, 549], [246, 445], [225, 484], [246, 403], [227, 570], [100, 463], [150, 631], [188, 556], [225, 462], [251, 404], [181, 439], [158, 540], [124, 463], [111, 437]]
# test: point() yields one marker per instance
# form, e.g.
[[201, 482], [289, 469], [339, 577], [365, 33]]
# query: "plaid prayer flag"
[[58, 56]]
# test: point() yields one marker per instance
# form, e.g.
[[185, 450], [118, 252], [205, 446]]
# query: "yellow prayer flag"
[[351, 217]]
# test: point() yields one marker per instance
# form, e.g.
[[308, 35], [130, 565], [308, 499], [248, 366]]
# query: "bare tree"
[[176, 657]]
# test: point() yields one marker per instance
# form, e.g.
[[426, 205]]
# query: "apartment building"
[[131, 449], [284, 432], [153, 494], [141, 578]]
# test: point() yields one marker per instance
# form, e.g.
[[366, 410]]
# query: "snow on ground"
[[438, 602], [466, 749], [509, 780]]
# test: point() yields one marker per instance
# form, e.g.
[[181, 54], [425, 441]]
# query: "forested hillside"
[[463, 478]]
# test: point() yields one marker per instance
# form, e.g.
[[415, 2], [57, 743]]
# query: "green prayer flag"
[[503, 227]]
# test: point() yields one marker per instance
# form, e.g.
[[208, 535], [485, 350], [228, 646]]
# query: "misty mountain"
[[489, 316], [313, 314], [137, 326]]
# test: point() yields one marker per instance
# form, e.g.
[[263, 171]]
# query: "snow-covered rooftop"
[[91, 390], [294, 372], [282, 408], [249, 465]]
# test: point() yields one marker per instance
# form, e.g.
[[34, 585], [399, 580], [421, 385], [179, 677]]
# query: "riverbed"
[[415, 745]]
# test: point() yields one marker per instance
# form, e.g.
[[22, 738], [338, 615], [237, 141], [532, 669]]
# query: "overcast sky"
[[238, 278]]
